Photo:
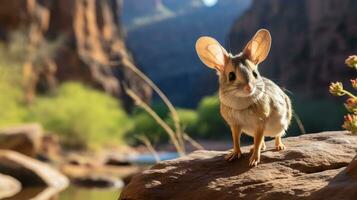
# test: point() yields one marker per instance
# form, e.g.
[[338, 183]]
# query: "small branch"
[[299, 123], [158, 119], [175, 117], [149, 146], [349, 94], [193, 142]]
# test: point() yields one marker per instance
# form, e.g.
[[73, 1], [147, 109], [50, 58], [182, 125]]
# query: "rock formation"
[[8, 186], [32, 173], [91, 49], [25, 139], [312, 167], [311, 40], [168, 56]]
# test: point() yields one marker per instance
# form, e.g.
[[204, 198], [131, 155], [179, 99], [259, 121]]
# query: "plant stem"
[[349, 94], [175, 117], [145, 140], [158, 119]]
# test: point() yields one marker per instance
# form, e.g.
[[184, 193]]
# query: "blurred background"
[[101, 89]]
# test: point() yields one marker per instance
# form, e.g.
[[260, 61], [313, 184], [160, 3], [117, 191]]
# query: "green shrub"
[[188, 119], [144, 124], [210, 124], [83, 117], [12, 108]]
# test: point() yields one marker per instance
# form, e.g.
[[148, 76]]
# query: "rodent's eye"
[[231, 76], [255, 74]]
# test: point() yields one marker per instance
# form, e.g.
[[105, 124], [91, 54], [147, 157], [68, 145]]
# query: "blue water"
[[149, 159]]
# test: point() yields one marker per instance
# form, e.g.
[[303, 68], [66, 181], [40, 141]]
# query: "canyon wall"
[[311, 40], [92, 48]]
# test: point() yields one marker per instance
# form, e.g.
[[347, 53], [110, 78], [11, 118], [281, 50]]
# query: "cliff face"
[[165, 48], [93, 50], [311, 40]]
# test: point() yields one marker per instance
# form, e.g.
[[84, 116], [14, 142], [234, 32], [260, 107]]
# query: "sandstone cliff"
[[93, 50], [311, 39], [165, 48]]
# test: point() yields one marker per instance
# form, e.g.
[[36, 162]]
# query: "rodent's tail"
[[299, 122], [294, 114]]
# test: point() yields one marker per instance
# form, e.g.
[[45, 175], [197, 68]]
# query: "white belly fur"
[[274, 126], [276, 123]]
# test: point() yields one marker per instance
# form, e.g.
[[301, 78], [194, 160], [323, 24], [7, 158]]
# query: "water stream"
[[82, 193]]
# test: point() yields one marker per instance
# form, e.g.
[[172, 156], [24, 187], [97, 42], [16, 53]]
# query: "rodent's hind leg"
[[263, 145], [262, 148], [236, 153], [279, 144]]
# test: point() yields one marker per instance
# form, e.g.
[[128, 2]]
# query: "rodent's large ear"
[[211, 53], [258, 47]]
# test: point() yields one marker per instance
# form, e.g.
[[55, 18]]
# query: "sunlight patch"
[[209, 3]]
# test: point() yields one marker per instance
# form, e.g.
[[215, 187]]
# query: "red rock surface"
[[312, 167], [25, 139]]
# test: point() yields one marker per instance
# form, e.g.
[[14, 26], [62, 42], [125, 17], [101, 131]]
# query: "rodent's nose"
[[248, 88]]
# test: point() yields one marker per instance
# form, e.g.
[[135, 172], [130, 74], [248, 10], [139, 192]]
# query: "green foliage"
[[160, 109], [81, 116], [144, 124], [188, 119], [205, 122], [12, 109], [210, 123]]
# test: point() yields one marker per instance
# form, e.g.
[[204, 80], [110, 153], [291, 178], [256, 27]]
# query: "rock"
[[8, 186], [352, 168], [93, 170], [342, 186], [92, 48], [311, 164], [26, 139], [32, 173], [99, 182], [99, 176], [50, 149], [321, 32], [176, 35], [89, 161], [117, 160]]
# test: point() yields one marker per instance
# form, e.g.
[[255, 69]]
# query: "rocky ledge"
[[314, 166]]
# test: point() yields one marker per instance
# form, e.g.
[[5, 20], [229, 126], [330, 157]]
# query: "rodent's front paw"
[[233, 155], [254, 159]]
